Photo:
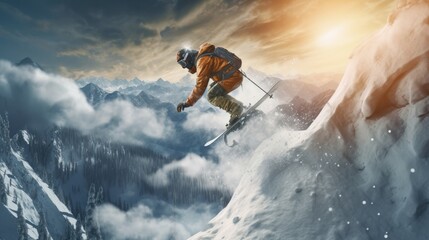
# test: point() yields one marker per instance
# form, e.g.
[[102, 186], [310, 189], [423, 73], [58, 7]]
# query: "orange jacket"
[[206, 67]]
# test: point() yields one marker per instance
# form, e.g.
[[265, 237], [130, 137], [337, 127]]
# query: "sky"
[[134, 38]]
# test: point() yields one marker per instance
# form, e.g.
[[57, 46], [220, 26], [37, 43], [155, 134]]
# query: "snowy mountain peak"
[[109, 84], [29, 62], [93, 93], [163, 83], [116, 95], [92, 87]]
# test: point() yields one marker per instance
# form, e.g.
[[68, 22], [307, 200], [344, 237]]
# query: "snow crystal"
[[364, 202], [372, 139], [330, 209], [412, 170], [378, 214], [348, 222], [389, 131]]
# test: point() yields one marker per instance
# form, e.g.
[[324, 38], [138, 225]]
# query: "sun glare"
[[186, 45], [330, 37]]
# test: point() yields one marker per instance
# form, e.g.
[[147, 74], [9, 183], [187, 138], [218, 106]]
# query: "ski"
[[247, 113]]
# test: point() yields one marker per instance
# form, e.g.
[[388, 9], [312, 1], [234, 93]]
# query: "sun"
[[330, 37]]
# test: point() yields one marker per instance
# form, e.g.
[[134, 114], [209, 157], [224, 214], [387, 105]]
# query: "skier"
[[226, 78]]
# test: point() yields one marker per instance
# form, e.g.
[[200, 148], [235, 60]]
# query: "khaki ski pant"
[[218, 97]]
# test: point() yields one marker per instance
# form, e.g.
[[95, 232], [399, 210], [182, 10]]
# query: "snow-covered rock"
[[361, 170]]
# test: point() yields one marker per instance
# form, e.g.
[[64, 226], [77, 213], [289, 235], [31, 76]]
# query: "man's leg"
[[218, 97]]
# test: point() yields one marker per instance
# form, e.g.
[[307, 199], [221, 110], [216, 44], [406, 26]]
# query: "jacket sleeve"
[[203, 76]]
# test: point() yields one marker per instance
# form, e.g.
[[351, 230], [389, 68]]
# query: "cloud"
[[14, 12], [39, 100], [121, 120], [140, 38], [120, 24], [192, 166], [90, 38], [184, 7], [142, 222], [36, 99], [209, 121], [285, 29]]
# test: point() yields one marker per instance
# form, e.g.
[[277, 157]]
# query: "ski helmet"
[[186, 58]]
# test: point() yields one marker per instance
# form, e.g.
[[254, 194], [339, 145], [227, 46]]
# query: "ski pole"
[[271, 96]]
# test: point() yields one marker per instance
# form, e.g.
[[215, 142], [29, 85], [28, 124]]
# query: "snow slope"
[[8, 211], [360, 171], [35, 196]]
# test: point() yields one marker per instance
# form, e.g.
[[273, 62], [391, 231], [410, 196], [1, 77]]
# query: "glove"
[[181, 106]]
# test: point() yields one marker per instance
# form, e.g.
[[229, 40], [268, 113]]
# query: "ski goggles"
[[183, 62]]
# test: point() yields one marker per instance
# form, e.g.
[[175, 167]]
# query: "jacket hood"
[[206, 48]]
